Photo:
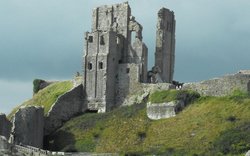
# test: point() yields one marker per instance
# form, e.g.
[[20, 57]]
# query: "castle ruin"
[[113, 61]]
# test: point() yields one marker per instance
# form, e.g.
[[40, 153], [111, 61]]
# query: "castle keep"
[[112, 62]]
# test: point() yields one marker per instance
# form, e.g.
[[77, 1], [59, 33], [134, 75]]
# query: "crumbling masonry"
[[112, 63]]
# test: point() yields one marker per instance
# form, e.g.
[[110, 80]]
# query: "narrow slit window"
[[90, 39], [100, 65], [117, 40], [102, 40], [90, 66], [128, 70]]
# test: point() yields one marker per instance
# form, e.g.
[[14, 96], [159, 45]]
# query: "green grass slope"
[[47, 96], [209, 126]]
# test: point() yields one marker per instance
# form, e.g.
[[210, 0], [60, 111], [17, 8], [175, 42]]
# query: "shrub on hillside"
[[36, 85]]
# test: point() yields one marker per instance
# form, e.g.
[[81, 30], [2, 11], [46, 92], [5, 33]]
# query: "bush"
[[141, 135], [36, 85], [234, 141], [231, 118]]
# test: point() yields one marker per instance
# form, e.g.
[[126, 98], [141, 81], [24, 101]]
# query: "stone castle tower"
[[165, 45], [112, 63]]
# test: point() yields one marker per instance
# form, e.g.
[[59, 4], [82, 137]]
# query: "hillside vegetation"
[[208, 126], [47, 96]]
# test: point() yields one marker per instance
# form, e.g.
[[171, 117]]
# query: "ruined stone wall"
[[140, 56], [221, 86], [140, 92], [116, 17], [165, 44], [112, 72], [5, 126], [127, 81], [28, 126], [67, 106]]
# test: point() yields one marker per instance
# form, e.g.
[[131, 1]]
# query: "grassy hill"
[[47, 96], [208, 126]]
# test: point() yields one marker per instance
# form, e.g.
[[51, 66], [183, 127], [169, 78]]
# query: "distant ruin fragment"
[[165, 45], [113, 61], [28, 125]]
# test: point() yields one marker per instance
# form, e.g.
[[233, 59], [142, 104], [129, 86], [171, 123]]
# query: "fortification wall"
[[67, 106], [5, 126], [28, 125], [221, 86]]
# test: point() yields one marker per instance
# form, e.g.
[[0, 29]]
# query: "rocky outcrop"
[[67, 106], [28, 126], [5, 126], [222, 86], [157, 111]]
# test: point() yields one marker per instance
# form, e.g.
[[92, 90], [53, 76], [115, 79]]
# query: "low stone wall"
[[28, 126], [67, 106], [221, 86], [5, 126]]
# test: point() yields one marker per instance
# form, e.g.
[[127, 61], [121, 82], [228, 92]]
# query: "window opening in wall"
[[127, 70], [100, 65], [133, 36], [102, 40], [89, 66], [117, 40], [90, 39], [115, 19], [120, 61]]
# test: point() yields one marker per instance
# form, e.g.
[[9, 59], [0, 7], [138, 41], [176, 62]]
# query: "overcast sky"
[[44, 39]]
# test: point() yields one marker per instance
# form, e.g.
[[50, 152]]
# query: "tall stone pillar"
[[165, 45]]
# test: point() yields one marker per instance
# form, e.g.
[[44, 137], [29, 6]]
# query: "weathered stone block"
[[4, 145], [5, 126], [157, 111], [28, 126]]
